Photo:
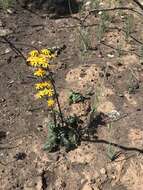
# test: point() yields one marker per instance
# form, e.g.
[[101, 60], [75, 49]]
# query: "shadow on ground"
[[90, 134], [57, 7]]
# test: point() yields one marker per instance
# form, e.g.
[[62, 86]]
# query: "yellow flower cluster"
[[40, 60], [40, 72], [45, 92], [42, 85]]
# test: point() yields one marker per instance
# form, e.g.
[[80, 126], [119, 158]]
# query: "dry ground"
[[116, 82]]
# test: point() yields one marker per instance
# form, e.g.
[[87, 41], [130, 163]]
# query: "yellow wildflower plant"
[[50, 102], [40, 72], [40, 60], [45, 92], [42, 85]]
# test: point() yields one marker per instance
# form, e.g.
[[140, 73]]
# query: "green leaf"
[[51, 143], [72, 121], [76, 97], [52, 138]]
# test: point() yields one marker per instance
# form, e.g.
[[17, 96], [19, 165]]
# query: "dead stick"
[[112, 9], [138, 3]]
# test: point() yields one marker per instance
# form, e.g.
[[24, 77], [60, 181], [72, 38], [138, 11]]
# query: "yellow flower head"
[[44, 65], [38, 62], [42, 59], [50, 92], [47, 53], [42, 85], [50, 102], [33, 61], [33, 53], [40, 72], [45, 92]]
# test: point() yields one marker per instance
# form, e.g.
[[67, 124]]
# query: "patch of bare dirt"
[[110, 153]]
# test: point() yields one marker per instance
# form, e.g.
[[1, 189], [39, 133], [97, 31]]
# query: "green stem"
[[54, 117]]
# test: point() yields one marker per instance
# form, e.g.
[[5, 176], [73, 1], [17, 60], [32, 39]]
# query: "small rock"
[[100, 12], [114, 177], [103, 171], [10, 11], [1, 154], [114, 115], [39, 42], [40, 128], [7, 133], [87, 3], [121, 95], [7, 50], [2, 100], [110, 55], [4, 32], [87, 187]]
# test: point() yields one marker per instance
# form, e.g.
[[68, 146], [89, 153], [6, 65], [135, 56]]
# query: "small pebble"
[[7, 50], [110, 55], [103, 171], [10, 11]]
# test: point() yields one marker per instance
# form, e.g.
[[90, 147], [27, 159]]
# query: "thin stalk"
[[14, 48], [69, 5], [19, 44], [57, 99], [54, 117], [111, 9], [138, 3]]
